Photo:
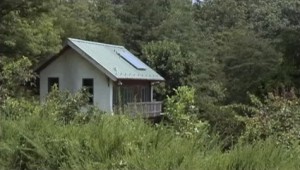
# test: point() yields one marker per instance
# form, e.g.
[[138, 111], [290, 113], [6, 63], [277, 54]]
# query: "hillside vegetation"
[[231, 95], [37, 137]]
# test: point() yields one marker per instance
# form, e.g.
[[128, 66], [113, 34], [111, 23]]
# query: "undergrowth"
[[118, 142], [62, 135]]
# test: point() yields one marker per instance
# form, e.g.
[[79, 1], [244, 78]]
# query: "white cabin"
[[107, 71]]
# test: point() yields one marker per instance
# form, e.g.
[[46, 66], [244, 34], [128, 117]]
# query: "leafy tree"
[[218, 15], [13, 77], [26, 29], [276, 117], [24, 8], [261, 16], [140, 21], [64, 105], [249, 61], [179, 25], [167, 59], [35, 37], [181, 110], [289, 45], [92, 20]]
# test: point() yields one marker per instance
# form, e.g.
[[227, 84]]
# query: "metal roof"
[[106, 57]]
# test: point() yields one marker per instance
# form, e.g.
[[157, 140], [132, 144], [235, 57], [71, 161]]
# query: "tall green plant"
[[64, 106], [168, 60], [181, 110], [276, 116], [13, 77]]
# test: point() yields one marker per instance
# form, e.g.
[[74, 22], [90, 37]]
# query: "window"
[[89, 85], [53, 81]]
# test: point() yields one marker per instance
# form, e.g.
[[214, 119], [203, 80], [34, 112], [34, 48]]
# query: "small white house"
[[113, 75]]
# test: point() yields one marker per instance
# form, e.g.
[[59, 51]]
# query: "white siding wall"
[[71, 68]]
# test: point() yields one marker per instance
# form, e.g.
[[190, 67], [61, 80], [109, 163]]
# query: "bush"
[[276, 117], [13, 76], [226, 124], [64, 106], [46, 136], [19, 108], [181, 110]]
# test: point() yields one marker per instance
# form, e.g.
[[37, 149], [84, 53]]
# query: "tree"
[[249, 61], [218, 15], [201, 68], [179, 25], [91, 20], [167, 59], [25, 8], [13, 77], [140, 21], [33, 37], [26, 29], [289, 43], [275, 116]]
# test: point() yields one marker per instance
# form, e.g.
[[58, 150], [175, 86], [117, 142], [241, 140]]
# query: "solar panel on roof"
[[133, 60]]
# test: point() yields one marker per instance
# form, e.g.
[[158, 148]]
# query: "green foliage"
[[25, 8], [93, 20], [32, 37], [167, 59], [14, 74], [63, 105], [221, 49], [118, 142], [182, 102], [276, 117], [249, 62], [225, 124], [18, 108], [140, 21], [181, 110], [60, 106], [178, 26], [260, 155], [215, 46], [217, 15], [104, 142]]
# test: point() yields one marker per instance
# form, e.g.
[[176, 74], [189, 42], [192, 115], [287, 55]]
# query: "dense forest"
[[232, 70]]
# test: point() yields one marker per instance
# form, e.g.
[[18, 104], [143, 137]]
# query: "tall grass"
[[117, 142]]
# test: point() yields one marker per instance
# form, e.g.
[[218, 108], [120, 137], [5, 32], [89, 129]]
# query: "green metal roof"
[[107, 57]]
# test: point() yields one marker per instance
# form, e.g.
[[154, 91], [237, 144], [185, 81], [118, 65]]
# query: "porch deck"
[[145, 109]]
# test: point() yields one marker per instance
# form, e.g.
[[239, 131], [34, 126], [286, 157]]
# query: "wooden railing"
[[144, 109]]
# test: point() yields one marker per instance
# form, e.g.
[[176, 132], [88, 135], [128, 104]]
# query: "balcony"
[[144, 109]]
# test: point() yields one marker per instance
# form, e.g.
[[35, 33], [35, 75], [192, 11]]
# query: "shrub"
[[33, 137], [64, 106], [276, 117], [13, 108], [226, 124], [13, 76], [181, 110]]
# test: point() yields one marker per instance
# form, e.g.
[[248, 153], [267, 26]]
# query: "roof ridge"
[[94, 42]]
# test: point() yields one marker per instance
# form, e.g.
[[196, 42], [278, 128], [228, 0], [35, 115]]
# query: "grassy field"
[[117, 142]]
